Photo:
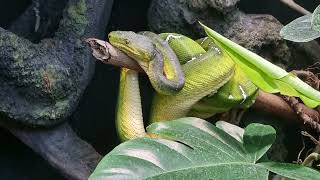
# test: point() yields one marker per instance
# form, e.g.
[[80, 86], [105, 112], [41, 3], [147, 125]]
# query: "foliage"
[[267, 76], [191, 148], [303, 29]]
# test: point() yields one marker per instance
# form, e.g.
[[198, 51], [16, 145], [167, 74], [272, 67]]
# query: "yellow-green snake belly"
[[129, 121]]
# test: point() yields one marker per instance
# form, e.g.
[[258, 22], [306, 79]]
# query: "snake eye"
[[126, 41]]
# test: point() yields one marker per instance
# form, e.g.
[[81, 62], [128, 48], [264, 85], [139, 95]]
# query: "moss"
[[53, 112], [18, 47], [42, 83], [17, 59], [51, 78], [62, 105], [77, 17], [77, 12]]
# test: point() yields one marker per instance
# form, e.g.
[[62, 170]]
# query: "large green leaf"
[[257, 139], [267, 76], [299, 30], [187, 148], [233, 130], [316, 19], [253, 138], [292, 171]]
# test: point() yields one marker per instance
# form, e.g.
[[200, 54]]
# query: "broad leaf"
[[257, 139], [250, 57], [187, 148], [316, 19], [267, 76], [299, 30], [233, 130], [292, 171]]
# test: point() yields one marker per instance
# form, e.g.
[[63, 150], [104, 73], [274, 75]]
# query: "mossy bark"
[[41, 83]]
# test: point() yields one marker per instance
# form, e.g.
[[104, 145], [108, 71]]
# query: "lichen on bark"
[[41, 83]]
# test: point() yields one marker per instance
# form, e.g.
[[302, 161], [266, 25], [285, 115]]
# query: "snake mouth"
[[126, 49]]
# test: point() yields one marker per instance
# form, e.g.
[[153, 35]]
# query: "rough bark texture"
[[41, 83], [40, 20], [259, 33], [62, 148]]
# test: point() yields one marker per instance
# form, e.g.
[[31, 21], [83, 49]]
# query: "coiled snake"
[[191, 78]]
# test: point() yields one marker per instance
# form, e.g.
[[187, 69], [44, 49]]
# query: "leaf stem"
[[293, 5]]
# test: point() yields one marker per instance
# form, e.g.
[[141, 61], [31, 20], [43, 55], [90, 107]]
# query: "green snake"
[[191, 78]]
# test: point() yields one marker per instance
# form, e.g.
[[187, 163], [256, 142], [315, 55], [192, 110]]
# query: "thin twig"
[[295, 6], [302, 149], [314, 140]]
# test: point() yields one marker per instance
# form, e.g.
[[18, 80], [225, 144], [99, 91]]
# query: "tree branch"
[[295, 6], [108, 54], [288, 108], [62, 148], [266, 102], [27, 92], [273, 104]]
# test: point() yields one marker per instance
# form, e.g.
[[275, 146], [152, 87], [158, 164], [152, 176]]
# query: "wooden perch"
[[108, 54], [274, 104], [266, 102]]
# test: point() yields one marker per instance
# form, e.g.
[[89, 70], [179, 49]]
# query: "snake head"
[[134, 45]]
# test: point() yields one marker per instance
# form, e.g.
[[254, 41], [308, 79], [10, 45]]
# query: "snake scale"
[[191, 78]]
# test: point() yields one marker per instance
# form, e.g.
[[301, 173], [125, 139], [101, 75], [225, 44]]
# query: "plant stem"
[[295, 6]]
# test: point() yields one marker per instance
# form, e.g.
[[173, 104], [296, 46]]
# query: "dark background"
[[94, 118]]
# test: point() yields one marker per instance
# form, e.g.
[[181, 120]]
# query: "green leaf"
[[187, 148], [237, 133], [316, 19], [309, 102], [299, 30], [258, 77], [257, 139], [250, 57], [267, 76], [233, 130], [292, 171]]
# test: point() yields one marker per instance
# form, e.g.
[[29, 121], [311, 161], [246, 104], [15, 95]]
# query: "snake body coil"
[[239, 91], [157, 60], [206, 70]]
